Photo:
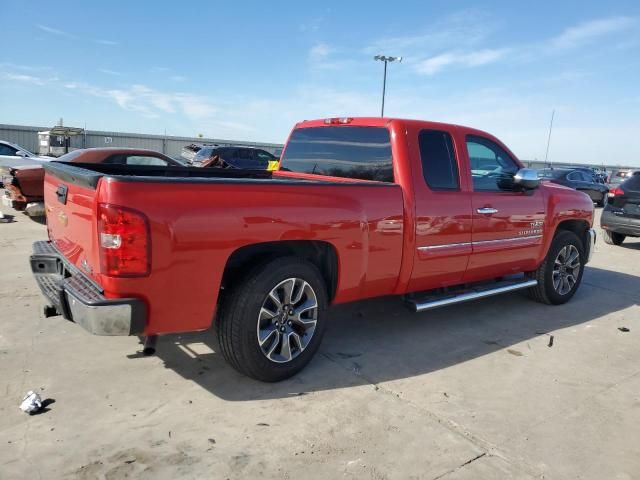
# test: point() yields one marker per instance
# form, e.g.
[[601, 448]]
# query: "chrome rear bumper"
[[75, 297]]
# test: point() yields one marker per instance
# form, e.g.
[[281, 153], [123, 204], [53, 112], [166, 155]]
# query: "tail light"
[[124, 239], [616, 192], [338, 120]]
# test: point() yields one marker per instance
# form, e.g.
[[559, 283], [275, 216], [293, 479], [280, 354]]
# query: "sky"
[[250, 70]]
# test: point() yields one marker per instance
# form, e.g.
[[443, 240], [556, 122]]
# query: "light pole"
[[386, 60]]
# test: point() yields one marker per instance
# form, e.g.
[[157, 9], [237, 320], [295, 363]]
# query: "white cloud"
[[587, 32], [22, 78], [55, 31], [320, 51], [110, 72], [435, 64], [462, 29], [62, 33]]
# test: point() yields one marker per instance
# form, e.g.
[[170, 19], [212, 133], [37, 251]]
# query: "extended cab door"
[[442, 210], [508, 223]]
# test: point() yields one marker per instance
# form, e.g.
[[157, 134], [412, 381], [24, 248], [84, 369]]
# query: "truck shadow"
[[380, 340]]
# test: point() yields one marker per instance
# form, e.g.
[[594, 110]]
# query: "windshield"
[[351, 152]]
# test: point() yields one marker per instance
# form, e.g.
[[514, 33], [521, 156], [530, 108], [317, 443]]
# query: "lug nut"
[[290, 322], [290, 312], [282, 329]]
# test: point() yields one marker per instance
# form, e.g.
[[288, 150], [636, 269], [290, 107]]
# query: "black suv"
[[232, 157], [582, 179], [621, 215]]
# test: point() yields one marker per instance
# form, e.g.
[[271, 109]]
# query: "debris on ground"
[[31, 403], [624, 329], [5, 218], [517, 353], [550, 344]]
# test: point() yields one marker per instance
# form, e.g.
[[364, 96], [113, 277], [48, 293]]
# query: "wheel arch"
[[320, 253], [577, 226]]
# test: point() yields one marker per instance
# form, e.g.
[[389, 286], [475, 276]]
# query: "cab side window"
[[439, 165], [492, 168]]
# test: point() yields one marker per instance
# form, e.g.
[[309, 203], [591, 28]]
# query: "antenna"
[[546, 155]]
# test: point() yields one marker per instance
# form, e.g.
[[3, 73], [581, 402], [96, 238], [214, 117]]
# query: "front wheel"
[[560, 274], [613, 238], [271, 323]]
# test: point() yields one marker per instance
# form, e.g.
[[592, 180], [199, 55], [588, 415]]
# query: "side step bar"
[[422, 302]]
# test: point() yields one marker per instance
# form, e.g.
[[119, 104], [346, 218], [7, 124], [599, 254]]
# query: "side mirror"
[[20, 153], [526, 178]]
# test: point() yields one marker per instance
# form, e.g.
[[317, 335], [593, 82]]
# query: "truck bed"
[[89, 174], [199, 218]]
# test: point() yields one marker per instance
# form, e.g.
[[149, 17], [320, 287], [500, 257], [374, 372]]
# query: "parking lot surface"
[[499, 388]]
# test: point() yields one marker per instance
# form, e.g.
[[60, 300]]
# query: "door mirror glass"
[[526, 178]]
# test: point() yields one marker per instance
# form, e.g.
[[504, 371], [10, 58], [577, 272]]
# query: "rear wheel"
[[560, 274], [271, 324], [613, 238]]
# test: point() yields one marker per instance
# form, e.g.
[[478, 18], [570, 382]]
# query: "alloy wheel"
[[287, 320], [566, 269]]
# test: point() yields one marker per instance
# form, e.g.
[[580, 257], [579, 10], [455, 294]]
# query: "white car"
[[12, 155]]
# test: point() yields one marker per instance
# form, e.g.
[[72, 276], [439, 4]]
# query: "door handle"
[[487, 210]]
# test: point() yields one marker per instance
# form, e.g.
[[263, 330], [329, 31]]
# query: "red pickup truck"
[[360, 208]]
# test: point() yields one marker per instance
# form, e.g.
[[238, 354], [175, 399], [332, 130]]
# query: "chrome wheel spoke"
[[285, 350], [266, 313], [273, 295], [267, 334], [288, 287], [299, 344], [298, 296]]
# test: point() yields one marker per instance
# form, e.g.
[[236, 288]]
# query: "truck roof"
[[383, 122]]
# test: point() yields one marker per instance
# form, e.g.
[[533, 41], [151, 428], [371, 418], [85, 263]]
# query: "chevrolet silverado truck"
[[359, 208]]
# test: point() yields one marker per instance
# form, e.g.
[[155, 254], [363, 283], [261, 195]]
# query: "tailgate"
[[70, 203]]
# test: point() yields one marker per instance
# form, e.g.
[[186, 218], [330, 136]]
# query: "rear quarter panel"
[[195, 227]]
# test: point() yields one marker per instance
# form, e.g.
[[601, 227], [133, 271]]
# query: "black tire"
[[236, 325], [613, 238], [544, 291]]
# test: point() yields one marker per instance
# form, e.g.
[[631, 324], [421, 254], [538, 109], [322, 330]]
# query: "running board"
[[428, 301]]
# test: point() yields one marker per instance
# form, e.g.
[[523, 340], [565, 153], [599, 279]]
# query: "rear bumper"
[[619, 224], [75, 297]]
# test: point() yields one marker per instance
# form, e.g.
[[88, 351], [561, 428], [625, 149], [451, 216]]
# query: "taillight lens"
[[125, 244], [616, 192], [338, 120]]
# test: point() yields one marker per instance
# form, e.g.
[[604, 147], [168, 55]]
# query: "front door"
[[508, 223]]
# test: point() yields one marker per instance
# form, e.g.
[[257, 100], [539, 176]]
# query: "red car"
[[361, 207], [25, 184]]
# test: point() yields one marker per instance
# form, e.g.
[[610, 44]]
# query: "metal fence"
[[27, 137]]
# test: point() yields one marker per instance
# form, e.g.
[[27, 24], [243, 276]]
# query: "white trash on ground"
[[31, 402]]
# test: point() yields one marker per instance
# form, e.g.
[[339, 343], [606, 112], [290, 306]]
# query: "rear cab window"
[[439, 165], [356, 152]]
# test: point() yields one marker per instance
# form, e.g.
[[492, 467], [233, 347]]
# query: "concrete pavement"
[[467, 392]]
